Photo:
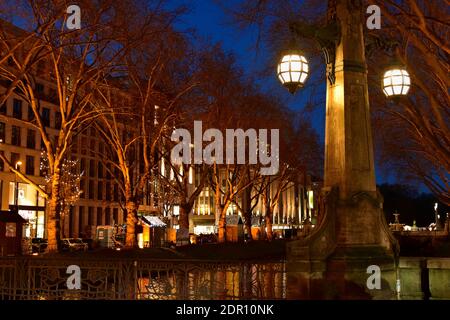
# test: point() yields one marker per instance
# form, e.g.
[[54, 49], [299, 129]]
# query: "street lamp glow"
[[396, 82], [18, 163], [293, 70]]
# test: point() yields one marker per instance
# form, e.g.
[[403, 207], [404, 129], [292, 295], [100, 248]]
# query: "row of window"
[[86, 145], [17, 112], [16, 140], [15, 158], [96, 169], [92, 212], [16, 136], [99, 212], [99, 190]]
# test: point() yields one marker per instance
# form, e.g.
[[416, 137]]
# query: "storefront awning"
[[153, 221], [11, 216]]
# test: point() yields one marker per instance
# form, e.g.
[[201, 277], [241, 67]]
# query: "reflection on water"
[[46, 279], [214, 281]]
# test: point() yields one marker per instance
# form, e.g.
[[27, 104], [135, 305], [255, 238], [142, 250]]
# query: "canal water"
[[214, 281], [47, 279]]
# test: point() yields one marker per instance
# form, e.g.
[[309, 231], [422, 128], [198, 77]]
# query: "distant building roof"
[[153, 221], [11, 216]]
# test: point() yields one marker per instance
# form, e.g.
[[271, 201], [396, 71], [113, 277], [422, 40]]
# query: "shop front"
[[31, 207], [204, 224], [153, 232]]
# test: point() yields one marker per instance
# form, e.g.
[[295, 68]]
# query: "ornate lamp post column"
[[353, 233]]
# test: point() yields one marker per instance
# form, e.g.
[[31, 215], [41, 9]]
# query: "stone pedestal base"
[[333, 262]]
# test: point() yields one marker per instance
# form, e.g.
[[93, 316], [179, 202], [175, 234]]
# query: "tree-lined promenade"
[[130, 75]]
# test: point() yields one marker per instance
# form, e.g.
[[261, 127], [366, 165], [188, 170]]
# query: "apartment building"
[[99, 200], [298, 202], [20, 142]]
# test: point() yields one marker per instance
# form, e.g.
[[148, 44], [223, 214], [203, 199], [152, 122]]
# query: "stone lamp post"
[[337, 259]]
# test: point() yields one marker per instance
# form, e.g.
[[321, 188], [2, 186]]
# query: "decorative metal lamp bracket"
[[376, 42], [326, 37]]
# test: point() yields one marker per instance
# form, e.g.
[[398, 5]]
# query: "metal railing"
[[46, 279]]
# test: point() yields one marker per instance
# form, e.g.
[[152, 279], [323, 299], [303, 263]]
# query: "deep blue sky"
[[211, 22]]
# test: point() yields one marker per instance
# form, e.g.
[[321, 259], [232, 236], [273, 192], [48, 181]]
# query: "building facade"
[[99, 203], [99, 200], [297, 203], [22, 145]]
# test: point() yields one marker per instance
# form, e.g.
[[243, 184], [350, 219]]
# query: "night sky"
[[211, 22]]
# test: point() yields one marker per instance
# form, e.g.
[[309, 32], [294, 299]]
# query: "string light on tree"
[[69, 183]]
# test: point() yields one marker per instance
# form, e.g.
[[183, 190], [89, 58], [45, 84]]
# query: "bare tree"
[[227, 181], [180, 179], [73, 61], [251, 196], [417, 30], [416, 33], [137, 107], [70, 185]]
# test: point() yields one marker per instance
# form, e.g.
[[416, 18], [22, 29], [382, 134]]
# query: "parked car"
[[73, 244], [206, 238], [89, 242], [38, 245]]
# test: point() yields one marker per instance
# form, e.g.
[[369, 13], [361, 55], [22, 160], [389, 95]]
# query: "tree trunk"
[[269, 282], [183, 220], [222, 223], [268, 219], [54, 207], [247, 210], [183, 223], [222, 227], [248, 224], [130, 241]]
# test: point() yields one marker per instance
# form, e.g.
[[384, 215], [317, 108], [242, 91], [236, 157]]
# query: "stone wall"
[[424, 278]]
